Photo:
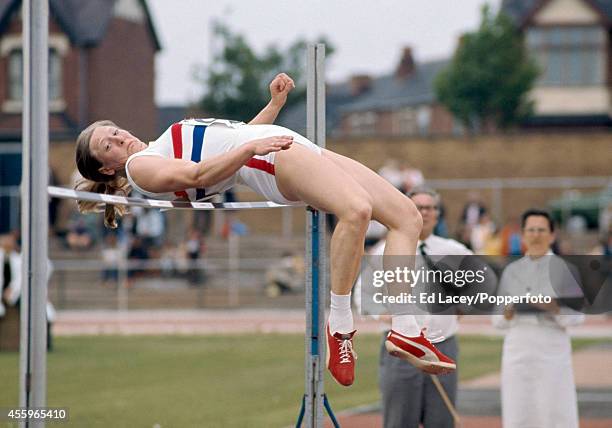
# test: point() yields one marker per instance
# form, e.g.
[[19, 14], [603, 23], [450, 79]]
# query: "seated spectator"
[[137, 253], [411, 177], [150, 227], [482, 233], [111, 255], [390, 171], [168, 260], [510, 236], [195, 248], [472, 210], [285, 276], [79, 236], [605, 246]]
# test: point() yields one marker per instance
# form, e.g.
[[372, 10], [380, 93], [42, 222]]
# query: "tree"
[[237, 80], [489, 77]]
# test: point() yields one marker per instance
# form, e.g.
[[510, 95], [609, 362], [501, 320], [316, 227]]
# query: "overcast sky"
[[368, 35]]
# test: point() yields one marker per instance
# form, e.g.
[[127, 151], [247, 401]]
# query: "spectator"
[[80, 236], [150, 227], [441, 228], [409, 397], [510, 236], [482, 232], [168, 260], [195, 248], [411, 178], [605, 218], [472, 210], [470, 215], [390, 171], [605, 246], [285, 276], [111, 255], [10, 284], [537, 382], [137, 253], [10, 280]]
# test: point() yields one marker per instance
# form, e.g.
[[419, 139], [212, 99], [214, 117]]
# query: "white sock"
[[406, 325], [340, 314]]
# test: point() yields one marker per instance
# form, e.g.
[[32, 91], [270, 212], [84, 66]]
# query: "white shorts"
[[259, 174]]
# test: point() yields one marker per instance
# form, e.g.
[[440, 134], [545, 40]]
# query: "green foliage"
[[490, 75], [238, 80]]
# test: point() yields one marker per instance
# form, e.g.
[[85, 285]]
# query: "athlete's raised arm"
[[280, 87]]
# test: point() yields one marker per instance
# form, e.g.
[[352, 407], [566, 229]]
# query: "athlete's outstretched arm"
[[161, 175], [279, 89]]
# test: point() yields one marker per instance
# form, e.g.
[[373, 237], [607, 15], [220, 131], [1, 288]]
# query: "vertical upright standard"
[[316, 291], [34, 210]]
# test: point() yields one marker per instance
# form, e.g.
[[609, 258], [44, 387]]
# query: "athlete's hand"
[[280, 87], [271, 144]]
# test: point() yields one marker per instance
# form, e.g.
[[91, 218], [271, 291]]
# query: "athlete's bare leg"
[[302, 174], [390, 207]]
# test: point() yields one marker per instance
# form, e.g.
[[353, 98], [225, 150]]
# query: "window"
[[55, 75], [405, 121], [424, 119], [568, 56], [15, 75], [15, 80], [363, 123]]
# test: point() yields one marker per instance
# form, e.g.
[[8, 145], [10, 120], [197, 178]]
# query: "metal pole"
[[123, 278], [34, 210], [316, 290], [233, 248]]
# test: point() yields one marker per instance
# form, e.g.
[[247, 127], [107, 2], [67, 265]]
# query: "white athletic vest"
[[195, 140]]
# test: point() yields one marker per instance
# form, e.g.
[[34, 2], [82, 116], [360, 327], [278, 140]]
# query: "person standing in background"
[[537, 381], [409, 397]]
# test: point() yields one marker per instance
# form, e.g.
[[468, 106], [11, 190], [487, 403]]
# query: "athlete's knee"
[[358, 211], [416, 222], [407, 218]]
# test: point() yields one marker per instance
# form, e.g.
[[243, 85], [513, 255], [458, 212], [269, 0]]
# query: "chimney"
[[360, 83], [406, 65]]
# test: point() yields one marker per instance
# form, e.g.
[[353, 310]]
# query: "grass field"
[[204, 381]]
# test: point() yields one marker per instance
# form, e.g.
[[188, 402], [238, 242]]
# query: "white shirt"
[[437, 325], [441, 325], [528, 275], [538, 388]]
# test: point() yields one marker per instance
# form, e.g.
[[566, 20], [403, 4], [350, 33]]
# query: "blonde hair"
[[94, 181]]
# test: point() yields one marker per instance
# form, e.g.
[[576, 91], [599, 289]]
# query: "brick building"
[[399, 104], [101, 65]]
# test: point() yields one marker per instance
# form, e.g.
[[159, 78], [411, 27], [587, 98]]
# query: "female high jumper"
[[198, 157]]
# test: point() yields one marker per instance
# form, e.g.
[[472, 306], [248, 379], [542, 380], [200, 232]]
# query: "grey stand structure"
[[311, 413], [34, 209]]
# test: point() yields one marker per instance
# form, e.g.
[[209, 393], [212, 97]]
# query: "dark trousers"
[[409, 397]]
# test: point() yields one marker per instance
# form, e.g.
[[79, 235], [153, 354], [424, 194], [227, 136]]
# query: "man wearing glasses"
[[409, 397]]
